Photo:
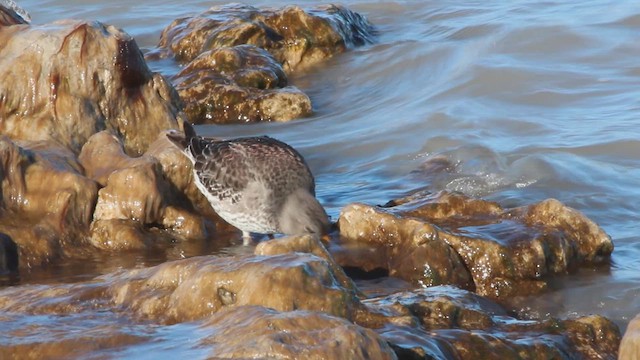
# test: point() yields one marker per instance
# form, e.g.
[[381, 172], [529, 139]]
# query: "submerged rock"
[[237, 58], [448, 238], [251, 332], [238, 84], [457, 324], [295, 37], [65, 81]]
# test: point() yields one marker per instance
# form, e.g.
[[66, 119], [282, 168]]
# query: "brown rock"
[[139, 196], [46, 203], [65, 81], [462, 325], [505, 252], [294, 37], [197, 287], [252, 332], [239, 84], [11, 14], [407, 248], [630, 345], [306, 244]]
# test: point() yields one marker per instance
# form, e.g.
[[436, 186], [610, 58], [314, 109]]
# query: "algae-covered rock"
[[506, 252], [239, 84], [251, 332], [236, 58], [65, 81], [295, 37], [458, 324]]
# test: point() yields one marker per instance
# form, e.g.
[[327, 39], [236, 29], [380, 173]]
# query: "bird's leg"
[[246, 238]]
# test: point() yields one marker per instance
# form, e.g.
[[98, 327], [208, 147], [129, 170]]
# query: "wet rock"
[[47, 204], [12, 14], [306, 244], [138, 196], [371, 238], [65, 81], [295, 37], [238, 84], [630, 345], [252, 332], [506, 252], [237, 57], [8, 255], [458, 324], [198, 287]]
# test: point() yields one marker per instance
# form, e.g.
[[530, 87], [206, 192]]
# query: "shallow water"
[[529, 99]]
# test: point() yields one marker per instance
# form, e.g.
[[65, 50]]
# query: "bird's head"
[[303, 214]]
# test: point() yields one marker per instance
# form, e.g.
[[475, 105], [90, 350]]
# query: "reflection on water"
[[527, 100]]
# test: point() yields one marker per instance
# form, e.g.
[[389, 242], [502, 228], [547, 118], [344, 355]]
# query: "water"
[[529, 99]]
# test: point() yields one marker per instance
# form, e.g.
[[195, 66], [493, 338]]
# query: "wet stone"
[[238, 84], [71, 79], [505, 252], [236, 58], [9, 259], [145, 201], [455, 323]]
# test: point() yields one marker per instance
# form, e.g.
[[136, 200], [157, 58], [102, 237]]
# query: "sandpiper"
[[257, 184]]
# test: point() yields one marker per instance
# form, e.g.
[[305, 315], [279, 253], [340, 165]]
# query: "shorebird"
[[257, 184]]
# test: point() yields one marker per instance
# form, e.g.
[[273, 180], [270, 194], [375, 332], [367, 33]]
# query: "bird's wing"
[[222, 170]]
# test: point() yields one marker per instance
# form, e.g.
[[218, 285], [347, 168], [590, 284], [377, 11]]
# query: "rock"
[[195, 288], [252, 332], [47, 204], [296, 38], [12, 14], [630, 345], [371, 238], [238, 84], [506, 252], [9, 258], [461, 325], [198, 287], [306, 244], [237, 56], [138, 198], [65, 81]]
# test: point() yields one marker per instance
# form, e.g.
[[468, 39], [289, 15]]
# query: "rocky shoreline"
[[86, 169]]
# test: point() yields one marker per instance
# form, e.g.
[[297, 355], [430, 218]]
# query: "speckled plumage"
[[257, 184]]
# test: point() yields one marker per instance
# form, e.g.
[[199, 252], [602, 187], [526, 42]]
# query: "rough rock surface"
[[237, 57], [65, 81], [238, 84], [47, 204], [153, 191], [252, 332], [12, 14], [296, 38], [197, 287], [630, 345], [229, 296], [457, 324], [446, 238], [305, 244]]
